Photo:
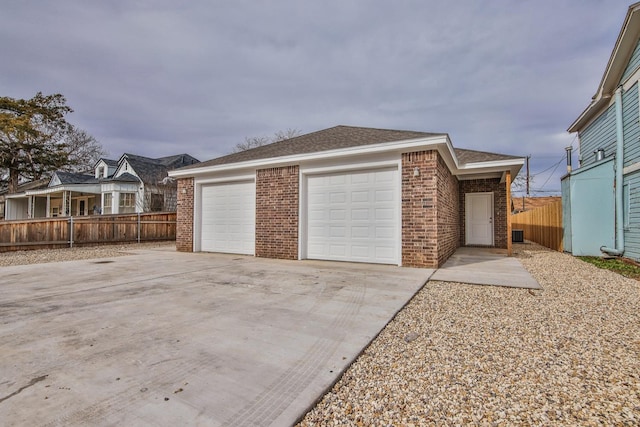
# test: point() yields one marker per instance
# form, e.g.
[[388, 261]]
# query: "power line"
[[552, 166], [550, 175]]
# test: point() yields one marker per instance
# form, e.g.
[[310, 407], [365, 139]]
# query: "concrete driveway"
[[165, 338]]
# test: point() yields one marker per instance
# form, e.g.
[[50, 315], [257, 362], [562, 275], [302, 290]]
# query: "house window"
[[127, 202], [108, 202]]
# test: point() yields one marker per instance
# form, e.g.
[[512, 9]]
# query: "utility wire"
[[552, 166], [559, 161]]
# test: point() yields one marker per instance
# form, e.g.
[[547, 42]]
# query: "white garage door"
[[353, 216], [228, 218]]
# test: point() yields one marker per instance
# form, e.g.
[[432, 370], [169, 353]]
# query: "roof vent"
[[599, 153], [569, 150]]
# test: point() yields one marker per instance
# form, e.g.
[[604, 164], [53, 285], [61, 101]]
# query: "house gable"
[[600, 134], [633, 65], [54, 180], [105, 168], [152, 171], [596, 126], [124, 167], [623, 63]]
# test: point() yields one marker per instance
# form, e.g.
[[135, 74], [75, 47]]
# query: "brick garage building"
[[348, 194]]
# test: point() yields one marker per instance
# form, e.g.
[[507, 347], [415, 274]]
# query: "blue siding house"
[[601, 198]]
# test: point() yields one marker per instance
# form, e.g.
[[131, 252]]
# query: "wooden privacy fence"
[[542, 225], [86, 230]]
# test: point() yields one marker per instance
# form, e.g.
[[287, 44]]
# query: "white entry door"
[[479, 219], [228, 218], [353, 216]]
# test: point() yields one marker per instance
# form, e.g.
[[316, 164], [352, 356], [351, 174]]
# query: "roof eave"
[[589, 113], [625, 44], [471, 170], [394, 146], [86, 188]]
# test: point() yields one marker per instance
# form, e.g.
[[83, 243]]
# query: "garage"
[[228, 218], [353, 216]]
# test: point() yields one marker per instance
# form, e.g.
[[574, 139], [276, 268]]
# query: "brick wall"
[[448, 213], [430, 210], [184, 226], [499, 207], [419, 218], [277, 195]]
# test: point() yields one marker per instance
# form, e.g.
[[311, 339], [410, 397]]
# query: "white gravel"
[[481, 355], [40, 256]]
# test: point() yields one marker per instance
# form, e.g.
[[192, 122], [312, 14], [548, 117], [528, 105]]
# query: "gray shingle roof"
[[75, 178], [110, 162], [324, 140], [125, 177], [473, 156], [154, 170], [342, 137]]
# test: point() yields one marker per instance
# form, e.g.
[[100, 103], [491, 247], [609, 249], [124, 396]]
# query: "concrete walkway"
[[485, 266], [167, 339]]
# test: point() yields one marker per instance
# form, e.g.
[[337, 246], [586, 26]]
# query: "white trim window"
[[127, 202], [108, 203]]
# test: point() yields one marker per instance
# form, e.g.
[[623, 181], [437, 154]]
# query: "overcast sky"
[[163, 77]]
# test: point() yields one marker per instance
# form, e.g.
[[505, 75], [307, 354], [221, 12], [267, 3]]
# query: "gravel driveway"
[[41, 256], [466, 354]]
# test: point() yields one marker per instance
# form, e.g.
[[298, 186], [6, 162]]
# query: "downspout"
[[619, 250]]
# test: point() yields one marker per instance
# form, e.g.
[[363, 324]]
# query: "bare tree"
[[253, 142], [519, 183], [259, 141], [281, 135], [83, 150], [160, 195]]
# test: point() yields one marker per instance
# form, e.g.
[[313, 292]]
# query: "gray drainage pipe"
[[619, 249]]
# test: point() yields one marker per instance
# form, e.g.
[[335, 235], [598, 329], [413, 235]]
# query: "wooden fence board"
[[72, 231], [542, 225]]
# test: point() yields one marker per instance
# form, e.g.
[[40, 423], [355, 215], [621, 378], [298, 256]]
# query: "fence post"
[[71, 232], [138, 227]]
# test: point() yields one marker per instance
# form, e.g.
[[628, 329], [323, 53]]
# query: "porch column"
[[48, 213], [115, 202], [66, 203], [508, 182], [30, 207]]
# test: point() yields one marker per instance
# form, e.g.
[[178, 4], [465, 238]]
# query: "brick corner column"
[[277, 198], [419, 210], [184, 215]]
